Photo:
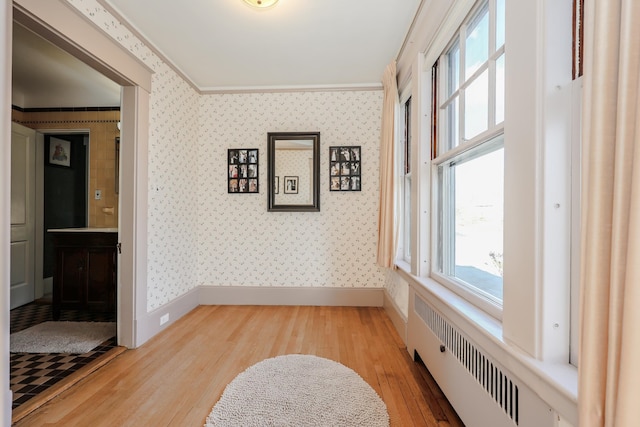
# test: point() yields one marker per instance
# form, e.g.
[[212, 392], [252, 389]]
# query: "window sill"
[[555, 383]]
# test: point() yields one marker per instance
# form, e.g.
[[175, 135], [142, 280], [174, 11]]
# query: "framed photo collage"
[[345, 168], [242, 175]]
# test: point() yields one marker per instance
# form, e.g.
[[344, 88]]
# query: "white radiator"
[[483, 393]]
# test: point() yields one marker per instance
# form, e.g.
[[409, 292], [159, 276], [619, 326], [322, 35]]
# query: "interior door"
[[23, 196]]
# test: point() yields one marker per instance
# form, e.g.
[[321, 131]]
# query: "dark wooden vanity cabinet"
[[85, 270]]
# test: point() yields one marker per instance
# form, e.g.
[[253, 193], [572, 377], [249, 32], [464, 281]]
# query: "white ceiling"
[[224, 45]]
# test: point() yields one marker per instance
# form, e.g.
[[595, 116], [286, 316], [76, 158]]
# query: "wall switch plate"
[[98, 194], [164, 319]]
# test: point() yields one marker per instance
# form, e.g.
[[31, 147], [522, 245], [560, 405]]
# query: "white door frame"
[[61, 24], [5, 209]]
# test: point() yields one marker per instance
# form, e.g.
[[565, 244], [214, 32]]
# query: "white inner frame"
[[448, 150]]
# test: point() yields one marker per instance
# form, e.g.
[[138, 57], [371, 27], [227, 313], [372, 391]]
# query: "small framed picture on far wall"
[[242, 170], [345, 168], [290, 185]]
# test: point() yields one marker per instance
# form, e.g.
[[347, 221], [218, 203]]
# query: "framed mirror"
[[294, 171]]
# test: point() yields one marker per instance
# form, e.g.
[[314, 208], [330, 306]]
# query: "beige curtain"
[[386, 215], [609, 362]]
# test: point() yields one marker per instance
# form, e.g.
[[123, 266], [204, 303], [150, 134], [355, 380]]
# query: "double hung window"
[[468, 158], [405, 246]]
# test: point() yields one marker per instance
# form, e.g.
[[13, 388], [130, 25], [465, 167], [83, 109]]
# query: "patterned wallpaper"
[[173, 134], [398, 290], [294, 164], [201, 235], [240, 242]]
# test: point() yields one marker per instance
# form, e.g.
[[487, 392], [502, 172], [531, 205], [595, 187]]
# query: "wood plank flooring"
[[177, 377]]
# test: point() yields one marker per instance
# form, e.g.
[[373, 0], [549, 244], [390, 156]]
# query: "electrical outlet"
[[164, 319]]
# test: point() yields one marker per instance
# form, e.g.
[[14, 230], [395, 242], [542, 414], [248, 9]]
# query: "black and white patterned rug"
[[299, 390]]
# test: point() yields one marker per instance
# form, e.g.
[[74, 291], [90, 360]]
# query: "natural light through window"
[[479, 194], [469, 160]]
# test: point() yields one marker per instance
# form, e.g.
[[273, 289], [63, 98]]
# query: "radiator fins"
[[490, 377]]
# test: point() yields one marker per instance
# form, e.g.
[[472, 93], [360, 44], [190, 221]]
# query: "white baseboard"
[[270, 295], [148, 324], [397, 317]]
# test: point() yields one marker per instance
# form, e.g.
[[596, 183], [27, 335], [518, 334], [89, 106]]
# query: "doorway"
[[62, 24], [65, 190], [60, 175]]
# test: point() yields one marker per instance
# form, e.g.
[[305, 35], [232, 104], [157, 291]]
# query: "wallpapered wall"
[[199, 234], [242, 244], [294, 164], [173, 134]]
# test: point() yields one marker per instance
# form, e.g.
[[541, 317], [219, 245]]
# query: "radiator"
[[483, 393]]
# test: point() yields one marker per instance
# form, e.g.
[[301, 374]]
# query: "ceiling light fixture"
[[261, 4]]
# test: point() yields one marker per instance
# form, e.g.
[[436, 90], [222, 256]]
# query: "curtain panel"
[[609, 372], [387, 235]]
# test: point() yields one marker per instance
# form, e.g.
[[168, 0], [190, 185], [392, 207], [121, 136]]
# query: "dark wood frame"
[[314, 137], [345, 172]]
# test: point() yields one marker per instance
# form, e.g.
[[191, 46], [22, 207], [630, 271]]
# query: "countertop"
[[83, 230]]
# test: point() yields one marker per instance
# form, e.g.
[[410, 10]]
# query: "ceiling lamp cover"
[[261, 4]]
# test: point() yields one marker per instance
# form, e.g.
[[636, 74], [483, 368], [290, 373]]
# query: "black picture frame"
[[291, 185], [345, 168], [242, 170]]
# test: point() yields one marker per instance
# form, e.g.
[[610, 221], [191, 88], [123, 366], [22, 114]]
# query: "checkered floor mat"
[[32, 374]]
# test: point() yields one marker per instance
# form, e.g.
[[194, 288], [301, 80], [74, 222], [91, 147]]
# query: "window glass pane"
[[453, 121], [477, 43], [453, 79], [406, 206], [407, 218], [479, 194], [476, 106], [499, 24], [500, 89]]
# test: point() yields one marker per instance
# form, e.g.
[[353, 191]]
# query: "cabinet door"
[[100, 284], [71, 280]]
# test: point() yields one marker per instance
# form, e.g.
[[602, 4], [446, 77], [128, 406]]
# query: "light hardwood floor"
[[177, 377]]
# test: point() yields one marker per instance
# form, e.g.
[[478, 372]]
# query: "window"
[[468, 158], [576, 175], [405, 246]]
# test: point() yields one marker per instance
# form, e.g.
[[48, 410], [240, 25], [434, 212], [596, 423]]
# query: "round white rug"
[[298, 390]]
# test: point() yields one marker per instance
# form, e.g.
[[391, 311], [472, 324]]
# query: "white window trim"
[[406, 179], [403, 243], [535, 70], [576, 138], [494, 130]]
